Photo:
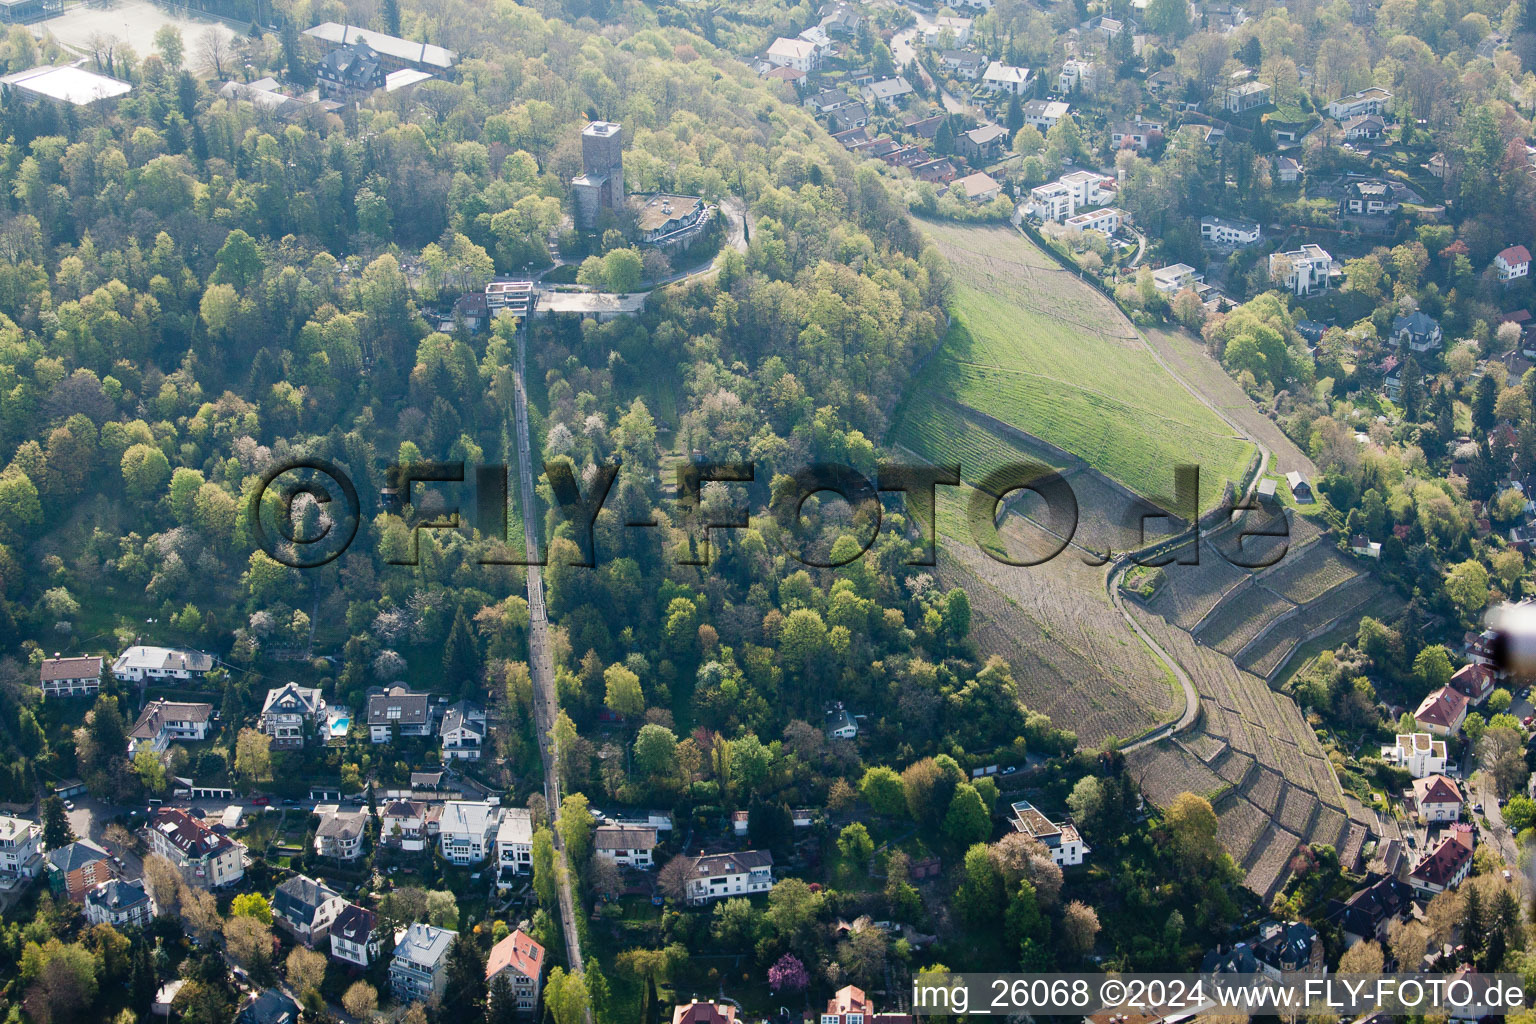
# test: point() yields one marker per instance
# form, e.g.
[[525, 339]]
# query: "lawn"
[[1033, 347]]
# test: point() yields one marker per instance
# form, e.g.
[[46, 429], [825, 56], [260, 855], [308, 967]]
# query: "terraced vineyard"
[[1266, 656], [1195, 589], [1240, 617], [1309, 573]]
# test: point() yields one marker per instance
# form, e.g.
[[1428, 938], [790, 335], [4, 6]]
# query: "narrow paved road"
[[540, 661]]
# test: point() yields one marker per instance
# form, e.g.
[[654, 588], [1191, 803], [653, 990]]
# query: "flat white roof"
[[69, 83], [404, 77], [390, 46]]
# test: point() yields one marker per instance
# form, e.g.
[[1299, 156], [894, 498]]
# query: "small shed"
[[1301, 490]]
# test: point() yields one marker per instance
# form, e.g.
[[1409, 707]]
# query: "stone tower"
[[600, 186]]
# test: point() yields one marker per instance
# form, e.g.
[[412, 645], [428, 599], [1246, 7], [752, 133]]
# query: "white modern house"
[[1173, 279], [959, 27], [1367, 101], [1304, 271], [1060, 838], [1244, 96], [718, 875], [1077, 74], [1107, 220], [160, 663], [1229, 234], [21, 856], [514, 844], [1044, 114], [1419, 753], [398, 711], [468, 831], [418, 969], [626, 845], [1068, 194]]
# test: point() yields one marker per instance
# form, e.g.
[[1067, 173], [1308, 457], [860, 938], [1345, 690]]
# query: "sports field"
[[1033, 347]]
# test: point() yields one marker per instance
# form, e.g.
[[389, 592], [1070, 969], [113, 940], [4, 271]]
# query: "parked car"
[[260, 801]]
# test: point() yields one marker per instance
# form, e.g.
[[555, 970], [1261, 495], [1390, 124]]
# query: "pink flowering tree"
[[788, 975]]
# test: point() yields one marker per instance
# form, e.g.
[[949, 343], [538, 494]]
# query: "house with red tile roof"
[[1436, 798], [1442, 712], [1447, 865], [522, 960], [1474, 682], [849, 1005], [1513, 263], [704, 1013]]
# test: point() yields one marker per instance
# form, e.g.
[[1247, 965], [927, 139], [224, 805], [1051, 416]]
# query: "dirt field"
[[130, 21]]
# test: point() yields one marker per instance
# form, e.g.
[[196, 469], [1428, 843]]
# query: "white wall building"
[[468, 831], [139, 663], [1232, 234], [718, 875], [21, 857], [1173, 279], [1368, 101], [1419, 753], [70, 677], [418, 969], [206, 859], [1000, 77], [1060, 838], [627, 845], [1107, 220], [514, 844], [799, 54], [1307, 270], [165, 721]]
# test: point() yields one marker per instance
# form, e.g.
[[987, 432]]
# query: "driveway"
[[1483, 792], [90, 819]]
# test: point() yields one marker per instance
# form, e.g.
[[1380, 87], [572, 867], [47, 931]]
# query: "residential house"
[[514, 844], [1005, 78], [1368, 101], [288, 712], [1368, 197], [1304, 271], [887, 93], [206, 859], [70, 677], [1513, 263], [1229, 234], [468, 831], [159, 664], [848, 1005], [269, 1006], [627, 845], [978, 187], [854, 115], [522, 961], [799, 54], [163, 721], [1077, 74], [398, 711], [1447, 865], [1474, 682], [1161, 83], [1288, 948], [818, 37], [1364, 128], [1370, 911], [843, 22], [410, 825], [740, 822], [718, 875], [1135, 134], [121, 904], [827, 100], [1417, 753], [350, 72], [841, 725], [355, 936], [966, 64], [340, 834], [696, 1012], [418, 968], [463, 732], [1044, 114], [1436, 798], [1361, 544], [21, 858], [1418, 330], [793, 76], [1063, 197], [1442, 712], [958, 28], [77, 868], [938, 172], [1173, 279], [1107, 220], [1287, 170], [983, 144], [1060, 839], [1301, 490], [306, 909], [1244, 96], [923, 127]]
